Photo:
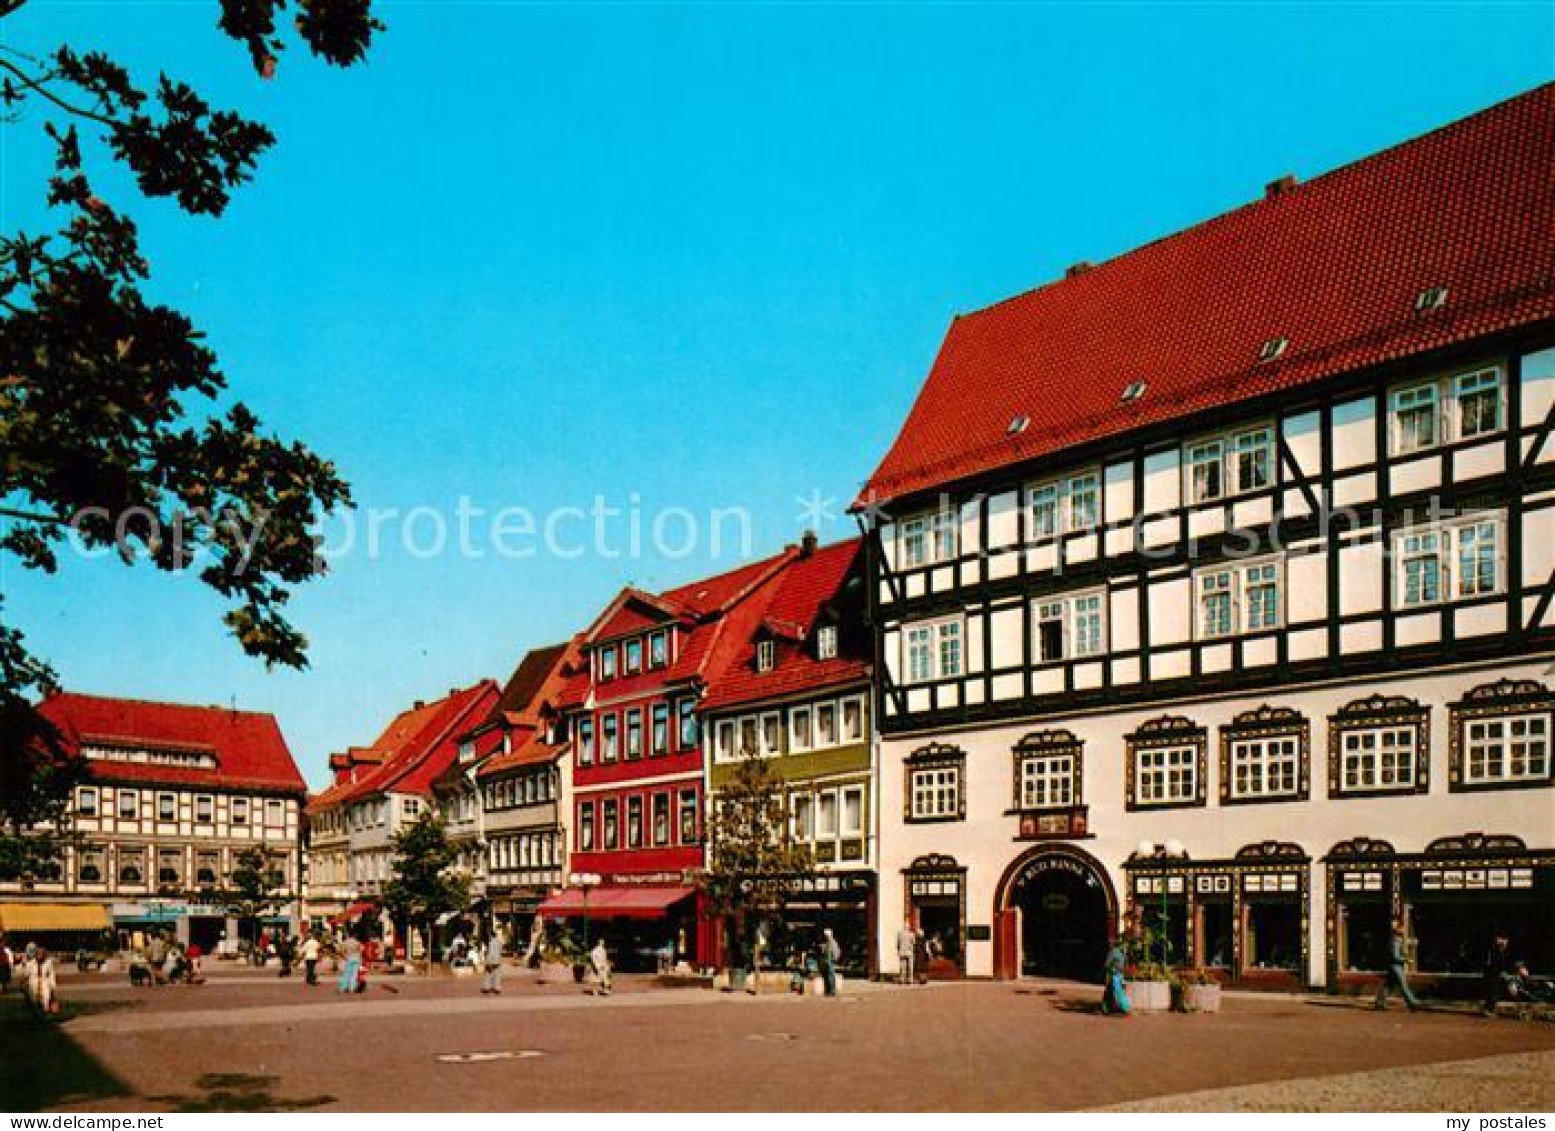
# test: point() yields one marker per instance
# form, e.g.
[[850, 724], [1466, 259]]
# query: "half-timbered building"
[[1212, 587]]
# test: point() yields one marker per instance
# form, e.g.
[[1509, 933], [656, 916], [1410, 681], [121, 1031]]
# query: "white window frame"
[[1156, 763], [1350, 750], [725, 734], [938, 631], [928, 538], [87, 794], [821, 741], [849, 829], [935, 792], [1265, 753], [1452, 581], [774, 721], [842, 719], [1058, 497], [766, 655], [826, 642], [204, 809], [1224, 454], [1067, 609], [801, 817], [1047, 774], [1237, 580], [1502, 742], [801, 729], [128, 799], [1446, 396]]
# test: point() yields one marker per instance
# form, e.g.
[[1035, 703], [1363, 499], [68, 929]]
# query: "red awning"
[[355, 911], [615, 901]]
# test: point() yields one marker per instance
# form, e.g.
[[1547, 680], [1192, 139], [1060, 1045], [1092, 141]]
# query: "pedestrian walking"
[[599, 960], [1397, 976], [1114, 996], [493, 982], [906, 951], [831, 952], [351, 972], [310, 959], [1503, 973]]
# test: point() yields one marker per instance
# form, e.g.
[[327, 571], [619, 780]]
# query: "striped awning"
[[53, 916]]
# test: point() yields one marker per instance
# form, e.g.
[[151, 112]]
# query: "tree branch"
[[39, 85]]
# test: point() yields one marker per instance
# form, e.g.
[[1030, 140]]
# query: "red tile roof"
[[807, 587], [248, 747], [1334, 266], [535, 751], [417, 746]]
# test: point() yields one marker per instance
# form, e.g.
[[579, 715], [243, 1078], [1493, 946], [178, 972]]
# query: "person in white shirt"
[[906, 946], [599, 959], [310, 958]]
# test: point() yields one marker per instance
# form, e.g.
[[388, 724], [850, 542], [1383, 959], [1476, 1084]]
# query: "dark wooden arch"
[[1006, 964]]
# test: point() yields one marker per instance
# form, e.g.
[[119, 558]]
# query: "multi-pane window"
[[132, 866], [826, 642], [1206, 471], [1064, 505], [610, 734], [1071, 627], [936, 792], [1378, 758], [1460, 407], [634, 733], [689, 732], [170, 865], [927, 538], [661, 728], [1506, 748], [1478, 396], [688, 816], [586, 827], [1244, 598], [1166, 774], [1046, 781], [607, 819], [1230, 465], [1252, 460], [1416, 416], [766, 655], [933, 651], [1457, 559], [205, 866], [634, 822], [1266, 766], [661, 819]]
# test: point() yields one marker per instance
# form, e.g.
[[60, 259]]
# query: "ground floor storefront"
[[646, 926]]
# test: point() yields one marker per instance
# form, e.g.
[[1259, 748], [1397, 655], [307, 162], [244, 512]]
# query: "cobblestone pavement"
[[245, 1044]]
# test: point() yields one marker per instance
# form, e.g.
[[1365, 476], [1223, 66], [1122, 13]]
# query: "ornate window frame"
[[1380, 711], [1166, 730], [934, 756], [1503, 697], [1267, 722], [938, 870], [1049, 822]]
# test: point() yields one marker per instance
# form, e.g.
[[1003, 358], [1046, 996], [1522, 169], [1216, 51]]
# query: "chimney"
[[420, 703], [1280, 186], [807, 544], [1079, 268]]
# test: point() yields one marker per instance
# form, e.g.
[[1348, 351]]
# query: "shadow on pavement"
[[235, 1091], [41, 1066]]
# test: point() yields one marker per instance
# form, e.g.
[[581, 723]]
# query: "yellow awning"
[[53, 917]]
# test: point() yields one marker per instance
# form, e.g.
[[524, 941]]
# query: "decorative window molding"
[[1379, 747], [1492, 843], [1500, 737], [1271, 850], [1168, 764], [934, 784], [1047, 783], [1265, 756]]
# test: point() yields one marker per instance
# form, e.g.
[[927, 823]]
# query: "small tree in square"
[[425, 886], [256, 891], [753, 864]]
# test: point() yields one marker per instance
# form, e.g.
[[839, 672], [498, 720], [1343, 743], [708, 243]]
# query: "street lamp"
[[585, 880], [1170, 850]]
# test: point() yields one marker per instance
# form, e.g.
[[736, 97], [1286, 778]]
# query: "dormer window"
[[826, 642], [607, 663], [766, 655], [634, 657], [658, 649]]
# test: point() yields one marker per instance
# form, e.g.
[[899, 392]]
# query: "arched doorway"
[[1056, 912]]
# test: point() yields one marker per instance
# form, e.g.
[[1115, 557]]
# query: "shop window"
[[1265, 756], [1166, 764], [1501, 736], [1273, 939], [935, 784], [1378, 746], [936, 900]]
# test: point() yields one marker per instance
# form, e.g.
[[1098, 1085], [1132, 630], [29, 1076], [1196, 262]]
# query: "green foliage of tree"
[[108, 421], [257, 888], [753, 865], [424, 886]]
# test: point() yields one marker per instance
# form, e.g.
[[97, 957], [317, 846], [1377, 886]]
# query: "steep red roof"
[[807, 587], [417, 746], [535, 751], [1334, 266], [247, 745]]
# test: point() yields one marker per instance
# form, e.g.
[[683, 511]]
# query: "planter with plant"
[[1197, 991]]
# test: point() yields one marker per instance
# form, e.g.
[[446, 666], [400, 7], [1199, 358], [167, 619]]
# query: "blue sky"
[[702, 255]]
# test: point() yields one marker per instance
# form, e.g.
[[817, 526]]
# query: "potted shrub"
[[1198, 991], [1149, 986], [561, 959]]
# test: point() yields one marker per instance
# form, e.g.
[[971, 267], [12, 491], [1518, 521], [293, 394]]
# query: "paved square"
[[255, 1042]]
